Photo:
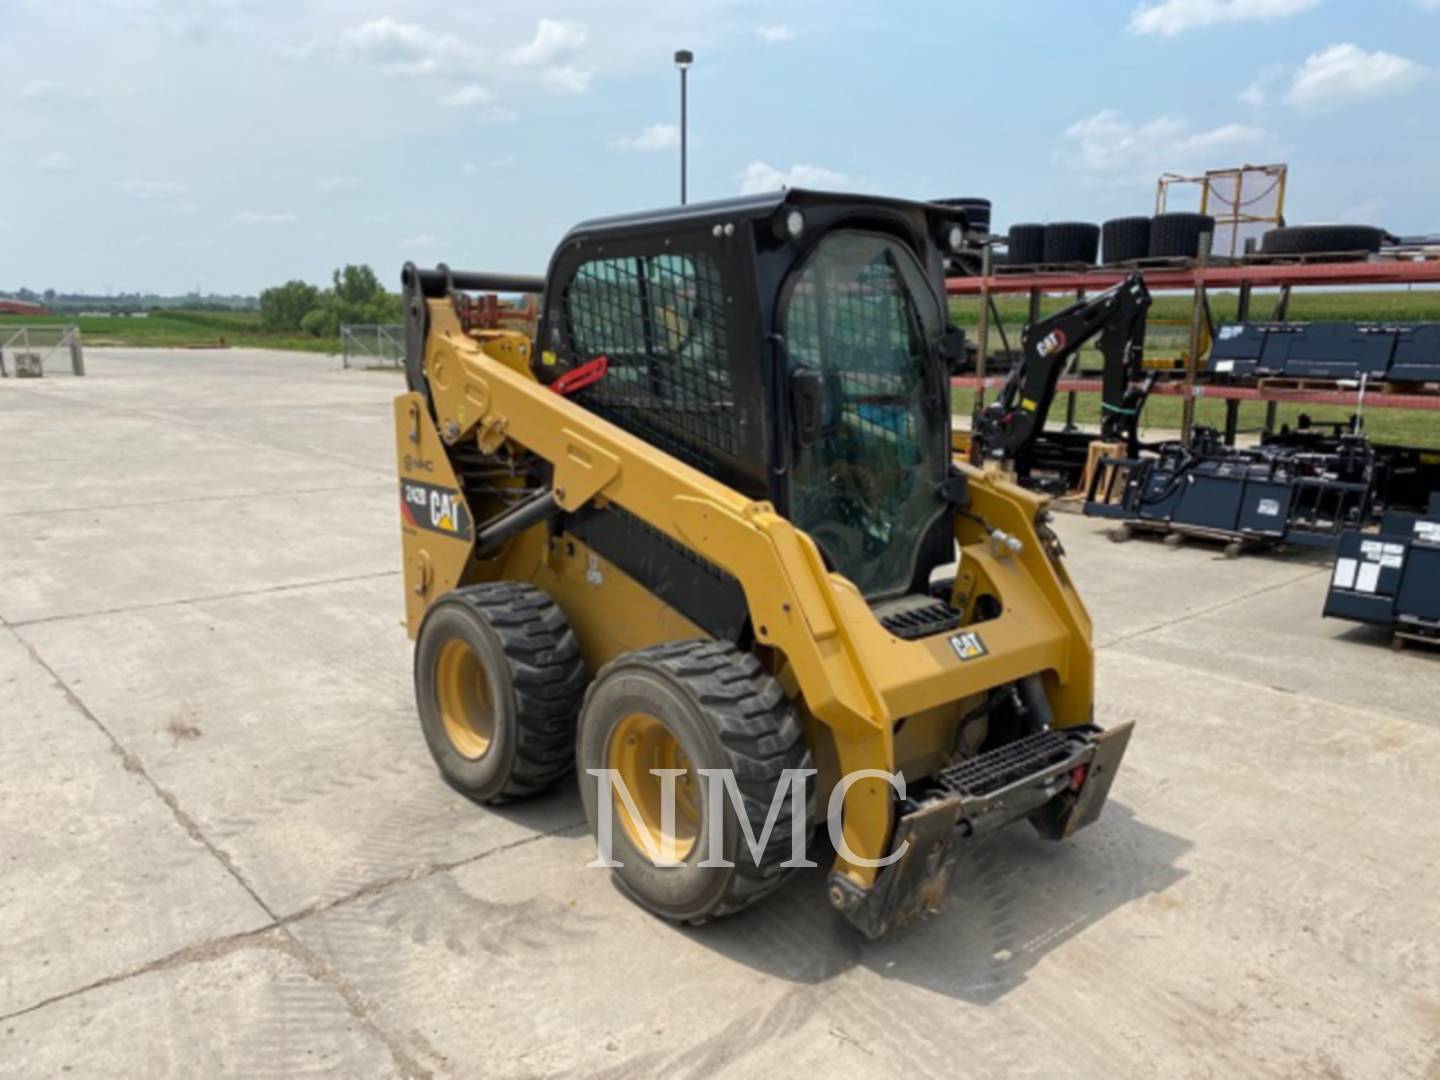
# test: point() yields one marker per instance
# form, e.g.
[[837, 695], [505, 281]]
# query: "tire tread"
[[762, 737], [547, 675]]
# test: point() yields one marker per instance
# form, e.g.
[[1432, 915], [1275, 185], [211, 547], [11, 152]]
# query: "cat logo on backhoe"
[[1052, 342]]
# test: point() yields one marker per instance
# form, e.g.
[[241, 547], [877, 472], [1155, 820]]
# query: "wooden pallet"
[[1264, 258], [1404, 638], [1176, 536], [1348, 385], [1169, 262], [1408, 254], [1044, 268]]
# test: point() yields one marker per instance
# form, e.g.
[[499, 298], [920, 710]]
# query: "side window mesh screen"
[[861, 331], [660, 320]]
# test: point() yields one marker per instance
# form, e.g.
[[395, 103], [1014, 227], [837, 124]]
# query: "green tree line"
[[355, 296]]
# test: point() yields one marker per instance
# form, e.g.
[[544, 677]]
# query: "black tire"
[[1124, 239], [1177, 236], [1072, 242], [1322, 239], [524, 668], [976, 211], [725, 711], [1026, 245]]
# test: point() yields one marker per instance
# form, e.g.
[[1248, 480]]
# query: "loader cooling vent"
[[1004, 765], [917, 617], [661, 321]]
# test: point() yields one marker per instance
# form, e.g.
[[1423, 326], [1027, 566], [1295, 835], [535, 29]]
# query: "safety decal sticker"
[[436, 509], [968, 646]]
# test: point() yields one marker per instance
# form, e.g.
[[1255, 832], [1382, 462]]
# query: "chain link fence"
[[372, 344], [28, 351]]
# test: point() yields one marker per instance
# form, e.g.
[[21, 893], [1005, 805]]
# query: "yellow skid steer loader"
[[702, 541]]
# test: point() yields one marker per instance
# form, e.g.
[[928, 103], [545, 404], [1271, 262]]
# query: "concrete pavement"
[[224, 849]]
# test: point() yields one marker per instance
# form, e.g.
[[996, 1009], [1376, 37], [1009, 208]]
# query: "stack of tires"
[[1119, 240], [1164, 236], [1059, 243], [1125, 239], [1322, 240]]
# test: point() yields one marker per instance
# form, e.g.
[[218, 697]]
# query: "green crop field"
[[1169, 330], [1169, 323], [1411, 427], [1397, 304], [177, 329]]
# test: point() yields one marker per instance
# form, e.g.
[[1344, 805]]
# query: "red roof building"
[[20, 307]]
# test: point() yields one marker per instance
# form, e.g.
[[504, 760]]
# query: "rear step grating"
[[995, 769]]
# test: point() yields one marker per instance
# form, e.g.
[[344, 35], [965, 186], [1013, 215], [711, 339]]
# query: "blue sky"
[[230, 144]]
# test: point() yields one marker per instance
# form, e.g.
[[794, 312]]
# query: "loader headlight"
[[788, 224], [955, 236]]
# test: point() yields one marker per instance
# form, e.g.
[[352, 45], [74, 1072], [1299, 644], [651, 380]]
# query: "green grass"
[[1169, 329], [1169, 335], [178, 329], [1308, 305], [1411, 427]]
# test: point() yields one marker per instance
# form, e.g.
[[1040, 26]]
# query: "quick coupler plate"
[[1059, 779]]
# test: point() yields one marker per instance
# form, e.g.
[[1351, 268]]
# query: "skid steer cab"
[[696, 537]]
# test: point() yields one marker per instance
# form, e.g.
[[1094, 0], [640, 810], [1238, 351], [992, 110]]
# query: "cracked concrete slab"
[[1279, 638], [96, 874], [285, 723], [107, 559], [1258, 899], [1141, 585], [248, 1008], [1220, 919]]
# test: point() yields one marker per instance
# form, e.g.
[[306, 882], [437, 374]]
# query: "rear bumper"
[[1058, 779]]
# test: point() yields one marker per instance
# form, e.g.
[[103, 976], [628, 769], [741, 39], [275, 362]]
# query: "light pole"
[[683, 59]]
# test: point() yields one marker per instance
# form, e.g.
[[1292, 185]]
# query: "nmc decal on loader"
[[708, 519]]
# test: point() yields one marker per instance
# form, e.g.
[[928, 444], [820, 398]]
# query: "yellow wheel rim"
[[638, 744], [463, 693]]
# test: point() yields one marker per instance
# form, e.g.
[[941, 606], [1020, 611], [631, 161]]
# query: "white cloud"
[[565, 80], [410, 49], [1429, 5], [553, 39], [336, 183], [422, 240], [465, 96], [186, 209], [1347, 72], [5, 226], [1170, 17], [775, 35], [1108, 144], [151, 189], [759, 177], [55, 161], [1253, 95], [257, 217], [654, 137], [480, 101], [1258, 92]]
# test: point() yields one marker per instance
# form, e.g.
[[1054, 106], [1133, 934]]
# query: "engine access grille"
[[911, 621], [995, 769], [661, 322]]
